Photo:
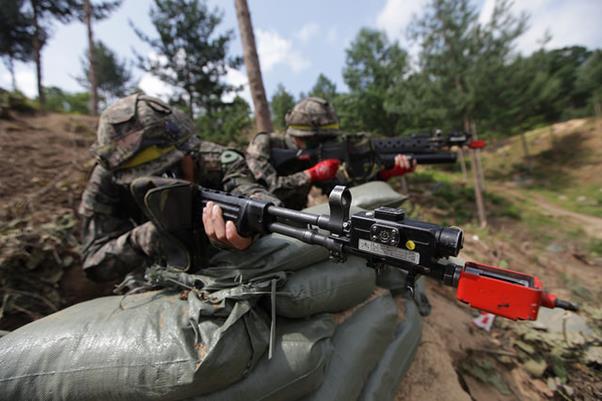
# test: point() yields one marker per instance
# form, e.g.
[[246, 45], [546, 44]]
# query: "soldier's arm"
[[112, 244], [258, 160]]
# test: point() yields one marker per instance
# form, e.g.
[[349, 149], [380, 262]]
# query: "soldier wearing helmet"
[[310, 122], [141, 136]]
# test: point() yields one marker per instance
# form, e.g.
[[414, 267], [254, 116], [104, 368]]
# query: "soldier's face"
[[299, 142]]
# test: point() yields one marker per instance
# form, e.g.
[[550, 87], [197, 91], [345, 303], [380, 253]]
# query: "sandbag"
[[270, 253], [367, 196], [359, 343], [325, 287], [298, 365], [151, 346], [384, 380]]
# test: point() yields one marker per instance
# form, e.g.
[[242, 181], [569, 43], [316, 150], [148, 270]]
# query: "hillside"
[[543, 219], [44, 162]]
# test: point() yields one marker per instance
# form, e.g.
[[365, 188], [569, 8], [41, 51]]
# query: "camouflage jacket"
[[291, 189], [117, 236]]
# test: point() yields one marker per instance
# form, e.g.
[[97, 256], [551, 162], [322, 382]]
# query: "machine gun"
[[360, 156], [384, 236]]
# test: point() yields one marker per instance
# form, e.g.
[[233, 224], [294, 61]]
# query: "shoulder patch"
[[229, 157]]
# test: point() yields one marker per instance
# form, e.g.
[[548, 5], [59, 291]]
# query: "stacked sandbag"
[[278, 322], [151, 346]]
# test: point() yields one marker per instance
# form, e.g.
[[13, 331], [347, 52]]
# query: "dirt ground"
[[44, 162]]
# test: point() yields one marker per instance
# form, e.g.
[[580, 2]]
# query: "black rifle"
[[384, 236], [360, 156]]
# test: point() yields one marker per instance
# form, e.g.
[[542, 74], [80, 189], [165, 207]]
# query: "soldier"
[[141, 136], [312, 121]]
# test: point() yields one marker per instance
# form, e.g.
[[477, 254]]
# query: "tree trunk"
[[37, 50], [523, 140], [462, 164], [478, 186], [473, 127], [10, 65], [260, 102], [91, 61]]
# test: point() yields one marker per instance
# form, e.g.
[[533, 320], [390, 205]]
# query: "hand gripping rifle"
[[360, 156], [384, 236]]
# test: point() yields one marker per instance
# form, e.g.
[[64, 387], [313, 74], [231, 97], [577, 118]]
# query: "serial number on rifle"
[[389, 251]]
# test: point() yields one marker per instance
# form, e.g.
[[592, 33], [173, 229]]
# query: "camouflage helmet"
[[140, 135], [312, 116]]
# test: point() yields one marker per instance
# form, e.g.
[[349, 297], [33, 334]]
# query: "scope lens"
[[450, 241]]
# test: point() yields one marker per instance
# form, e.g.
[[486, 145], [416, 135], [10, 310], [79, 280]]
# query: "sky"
[[297, 40]]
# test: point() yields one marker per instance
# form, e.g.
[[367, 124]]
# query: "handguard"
[[514, 295]]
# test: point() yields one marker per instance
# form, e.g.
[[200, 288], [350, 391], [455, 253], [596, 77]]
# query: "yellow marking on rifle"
[[410, 245]]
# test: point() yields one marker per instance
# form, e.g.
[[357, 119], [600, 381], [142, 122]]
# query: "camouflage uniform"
[[291, 189], [117, 236], [310, 119]]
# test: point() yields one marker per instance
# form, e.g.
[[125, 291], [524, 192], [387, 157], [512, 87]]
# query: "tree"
[[260, 102], [589, 80], [324, 88], [282, 101], [111, 75], [43, 13], [190, 55], [96, 12], [16, 35], [372, 66], [228, 125]]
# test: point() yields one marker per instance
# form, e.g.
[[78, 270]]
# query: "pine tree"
[[324, 88], [190, 54], [112, 76], [282, 101], [16, 35]]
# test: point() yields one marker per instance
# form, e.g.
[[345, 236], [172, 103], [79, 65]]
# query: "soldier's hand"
[[402, 162], [222, 232], [402, 165]]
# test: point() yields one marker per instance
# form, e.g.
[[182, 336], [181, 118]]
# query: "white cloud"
[[332, 35], [26, 81], [153, 86], [570, 23], [273, 49], [307, 32], [238, 78], [396, 15]]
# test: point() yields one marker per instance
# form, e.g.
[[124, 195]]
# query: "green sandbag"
[[151, 346], [359, 343], [325, 287], [367, 196], [270, 253], [384, 380], [298, 365]]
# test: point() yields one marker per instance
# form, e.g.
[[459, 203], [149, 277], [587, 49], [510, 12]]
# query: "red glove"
[[324, 170], [402, 165]]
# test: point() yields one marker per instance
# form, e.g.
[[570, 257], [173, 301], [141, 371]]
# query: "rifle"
[[384, 236], [360, 157]]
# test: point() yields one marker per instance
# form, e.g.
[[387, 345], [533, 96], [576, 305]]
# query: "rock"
[[552, 320], [535, 368], [593, 356]]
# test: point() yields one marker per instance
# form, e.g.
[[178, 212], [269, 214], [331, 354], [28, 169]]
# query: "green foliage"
[[324, 88], [16, 34], [112, 75], [282, 101], [60, 101], [14, 101], [228, 125], [589, 79], [191, 54], [373, 65]]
